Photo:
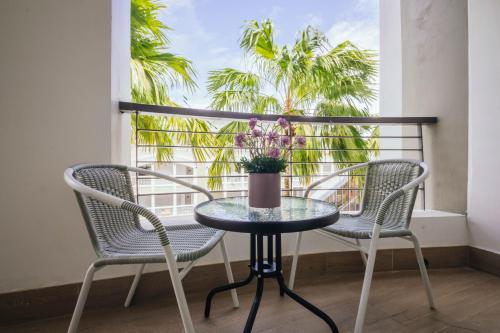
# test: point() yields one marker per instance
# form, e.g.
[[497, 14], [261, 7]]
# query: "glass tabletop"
[[234, 214]]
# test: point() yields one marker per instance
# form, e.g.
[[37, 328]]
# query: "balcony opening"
[[238, 63]]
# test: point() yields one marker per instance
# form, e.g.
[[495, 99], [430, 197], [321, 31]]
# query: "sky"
[[208, 31]]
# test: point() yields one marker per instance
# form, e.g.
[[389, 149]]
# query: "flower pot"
[[264, 190]]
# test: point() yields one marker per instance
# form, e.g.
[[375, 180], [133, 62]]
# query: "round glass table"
[[294, 215]]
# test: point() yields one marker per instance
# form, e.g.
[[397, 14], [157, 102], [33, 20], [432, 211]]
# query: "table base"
[[266, 269]]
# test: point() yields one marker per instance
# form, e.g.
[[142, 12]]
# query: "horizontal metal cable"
[[314, 149], [235, 162], [246, 176], [246, 190], [306, 136]]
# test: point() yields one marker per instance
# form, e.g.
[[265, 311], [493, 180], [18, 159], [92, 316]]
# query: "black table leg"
[[211, 294], [306, 304], [278, 262], [255, 305], [262, 269], [230, 286]]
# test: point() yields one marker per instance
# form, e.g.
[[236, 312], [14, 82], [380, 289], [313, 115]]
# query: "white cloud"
[[180, 14], [360, 25], [364, 34], [367, 5]]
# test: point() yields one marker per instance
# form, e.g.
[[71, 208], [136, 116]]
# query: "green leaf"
[[263, 164]]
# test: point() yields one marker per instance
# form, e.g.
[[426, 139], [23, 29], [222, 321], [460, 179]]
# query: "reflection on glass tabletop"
[[294, 214]]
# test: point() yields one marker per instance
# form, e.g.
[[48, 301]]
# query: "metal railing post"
[[290, 157], [137, 155], [422, 158]]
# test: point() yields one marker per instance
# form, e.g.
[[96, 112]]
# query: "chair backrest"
[[384, 177], [106, 224]]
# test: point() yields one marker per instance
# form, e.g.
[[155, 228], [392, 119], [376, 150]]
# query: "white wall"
[[434, 67], [484, 124], [56, 104]]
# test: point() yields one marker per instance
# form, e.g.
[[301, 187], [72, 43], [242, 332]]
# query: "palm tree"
[[309, 77], [153, 72]]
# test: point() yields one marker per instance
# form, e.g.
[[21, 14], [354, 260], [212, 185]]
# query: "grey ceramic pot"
[[264, 190]]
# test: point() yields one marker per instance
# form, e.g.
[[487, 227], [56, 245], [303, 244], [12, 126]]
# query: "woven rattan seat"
[[188, 242], [362, 228]]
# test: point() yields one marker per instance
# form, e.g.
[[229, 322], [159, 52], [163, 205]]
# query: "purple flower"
[[252, 122], [272, 136], [284, 141], [239, 139], [256, 133], [274, 152], [282, 122], [300, 141]]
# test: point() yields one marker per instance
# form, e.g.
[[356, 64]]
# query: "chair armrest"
[[172, 179], [114, 201], [324, 179]]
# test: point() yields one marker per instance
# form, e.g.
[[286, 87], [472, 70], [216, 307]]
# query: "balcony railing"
[[330, 141]]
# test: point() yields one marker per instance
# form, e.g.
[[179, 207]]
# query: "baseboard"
[[36, 304], [483, 260]]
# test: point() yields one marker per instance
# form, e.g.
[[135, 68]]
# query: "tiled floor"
[[466, 300]]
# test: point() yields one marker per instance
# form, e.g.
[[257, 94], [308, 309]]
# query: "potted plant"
[[267, 147]]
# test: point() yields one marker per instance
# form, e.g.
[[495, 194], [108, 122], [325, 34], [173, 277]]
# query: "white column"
[[484, 124], [434, 68], [391, 84]]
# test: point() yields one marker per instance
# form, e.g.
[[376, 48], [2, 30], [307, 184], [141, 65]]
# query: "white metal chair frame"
[[169, 256], [368, 256]]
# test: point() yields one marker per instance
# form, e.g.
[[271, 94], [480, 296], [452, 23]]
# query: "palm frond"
[[308, 159], [233, 100], [232, 79], [346, 73], [144, 22], [222, 156], [258, 39], [194, 133], [311, 41], [154, 138]]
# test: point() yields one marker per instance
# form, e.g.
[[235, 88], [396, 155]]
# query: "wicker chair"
[[388, 199], [106, 199]]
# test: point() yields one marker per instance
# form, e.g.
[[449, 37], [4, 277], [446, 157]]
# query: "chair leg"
[[178, 290], [365, 292], [363, 255], [82, 298], [229, 272], [423, 270], [295, 260], [133, 287]]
